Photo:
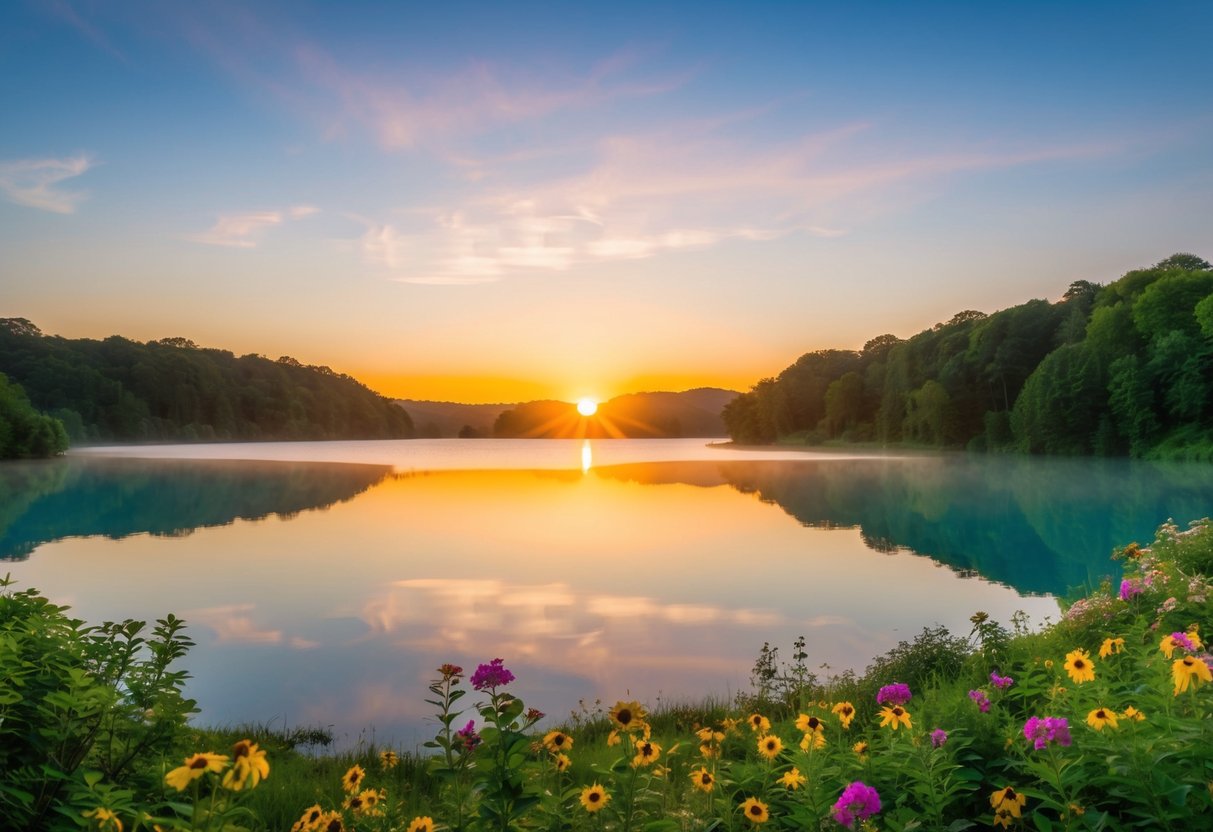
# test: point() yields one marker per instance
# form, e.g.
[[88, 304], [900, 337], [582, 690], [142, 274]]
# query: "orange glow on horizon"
[[503, 390]]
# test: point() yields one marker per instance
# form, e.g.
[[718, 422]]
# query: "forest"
[[1110, 370], [121, 390]]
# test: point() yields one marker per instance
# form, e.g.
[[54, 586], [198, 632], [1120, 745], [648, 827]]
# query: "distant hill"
[[173, 390], [634, 415], [439, 419]]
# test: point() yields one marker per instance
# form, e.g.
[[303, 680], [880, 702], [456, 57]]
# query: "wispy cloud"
[[34, 182], [246, 230], [64, 10]]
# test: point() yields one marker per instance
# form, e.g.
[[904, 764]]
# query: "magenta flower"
[[1182, 640], [938, 737], [491, 675], [1130, 588], [857, 802], [979, 697], [468, 736], [1041, 732], [1001, 682], [894, 694]]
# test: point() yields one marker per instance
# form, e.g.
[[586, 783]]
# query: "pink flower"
[[897, 693], [468, 736], [1001, 682], [1041, 732], [1129, 588], [858, 802], [938, 737], [979, 696], [491, 675]]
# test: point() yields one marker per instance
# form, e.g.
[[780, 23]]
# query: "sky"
[[496, 202]]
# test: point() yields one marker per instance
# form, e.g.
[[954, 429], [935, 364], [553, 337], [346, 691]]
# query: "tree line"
[[121, 390], [1121, 369]]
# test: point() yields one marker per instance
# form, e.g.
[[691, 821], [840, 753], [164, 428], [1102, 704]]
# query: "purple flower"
[[857, 802], [468, 736], [1182, 640], [1001, 682], [979, 696], [1041, 732], [895, 694], [491, 675], [938, 737], [1129, 588]]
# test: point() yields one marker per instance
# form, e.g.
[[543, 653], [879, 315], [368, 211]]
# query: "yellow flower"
[[1007, 800], [195, 767], [353, 778], [705, 734], [1167, 646], [1100, 717], [709, 751], [557, 741], [389, 759], [1133, 714], [646, 753], [703, 780], [1184, 670], [613, 738], [770, 746], [793, 779], [562, 762], [1080, 667], [755, 810], [813, 741], [894, 716], [845, 712], [104, 817], [1111, 646], [1048, 664], [729, 725], [309, 820], [594, 798], [759, 723], [809, 724], [628, 715], [249, 766], [363, 804], [421, 824], [860, 748]]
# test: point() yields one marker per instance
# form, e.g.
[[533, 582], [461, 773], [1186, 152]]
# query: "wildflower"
[[492, 676], [646, 753], [706, 735], [759, 723], [468, 736], [1080, 667], [860, 748], [1111, 646], [388, 759], [363, 803], [812, 741], [1048, 664], [709, 751], [330, 822], [249, 766], [793, 779], [450, 671], [1100, 717], [557, 741], [1130, 588], [629, 716], [755, 810], [980, 698], [562, 762], [858, 802], [809, 724], [195, 767], [1188, 641], [534, 714], [895, 717], [104, 817], [938, 737], [845, 712], [1184, 670], [1001, 682], [1041, 732], [1133, 714], [353, 778], [703, 780], [309, 820], [770, 746], [421, 824], [594, 798], [729, 725], [895, 694], [1007, 804]]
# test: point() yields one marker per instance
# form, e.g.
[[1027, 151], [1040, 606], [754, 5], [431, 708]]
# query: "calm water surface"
[[323, 582]]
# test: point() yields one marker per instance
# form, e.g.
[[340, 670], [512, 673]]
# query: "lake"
[[324, 582]]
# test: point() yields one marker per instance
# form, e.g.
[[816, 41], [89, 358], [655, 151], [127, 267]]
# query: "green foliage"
[[25, 433]]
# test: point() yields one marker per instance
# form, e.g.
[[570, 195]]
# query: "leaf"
[[1042, 822], [664, 825]]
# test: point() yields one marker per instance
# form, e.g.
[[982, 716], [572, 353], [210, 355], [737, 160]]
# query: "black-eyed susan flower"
[[309, 820], [647, 753], [557, 741], [195, 766], [894, 717], [1080, 667], [793, 779], [755, 810], [562, 762], [758, 723], [421, 823], [1133, 714], [770, 746], [703, 780], [1101, 718], [594, 798], [365, 803], [353, 778], [729, 725], [629, 716], [812, 741], [1111, 646], [389, 759], [809, 724], [1187, 669], [105, 818], [1007, 803], [249, 766], [845, 712], [861, 749], [709, 751]]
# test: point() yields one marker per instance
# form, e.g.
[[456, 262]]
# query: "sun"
[[587, 407]]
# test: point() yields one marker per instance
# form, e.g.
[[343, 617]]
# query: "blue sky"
[[503, 201]]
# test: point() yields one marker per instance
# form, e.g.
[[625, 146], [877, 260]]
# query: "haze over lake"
[[324, 582]]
